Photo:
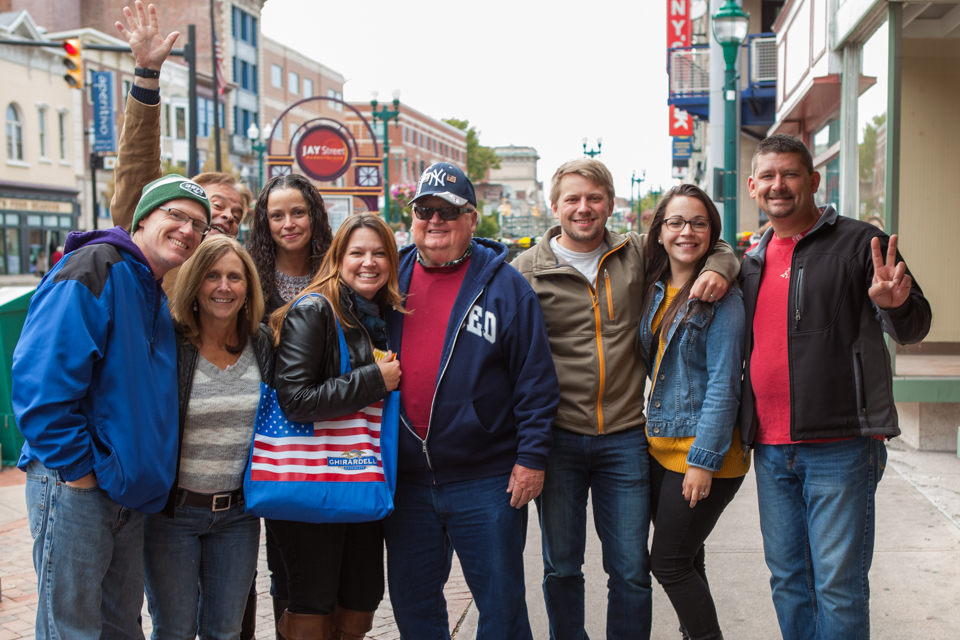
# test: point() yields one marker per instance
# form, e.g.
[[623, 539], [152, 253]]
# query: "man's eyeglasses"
[[677, 224], [447, 214], [175, 214]]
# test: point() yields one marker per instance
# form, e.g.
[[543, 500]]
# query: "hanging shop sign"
[[323, 153]]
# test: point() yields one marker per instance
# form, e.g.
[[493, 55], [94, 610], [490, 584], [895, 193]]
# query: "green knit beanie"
[[165, 189]]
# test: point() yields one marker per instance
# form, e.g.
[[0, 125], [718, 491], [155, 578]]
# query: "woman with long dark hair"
[[335, 571], [289, 237], [694, 355]]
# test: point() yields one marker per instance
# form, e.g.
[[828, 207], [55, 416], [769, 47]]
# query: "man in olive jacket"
[[590, 283]]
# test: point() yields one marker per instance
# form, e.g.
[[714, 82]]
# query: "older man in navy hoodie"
[[95, 396], [479, 395]]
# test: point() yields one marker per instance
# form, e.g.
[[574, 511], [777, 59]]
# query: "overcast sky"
[[533, 73]]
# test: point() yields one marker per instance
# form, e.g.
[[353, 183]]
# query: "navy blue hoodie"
[[95, 372], [497, 392]]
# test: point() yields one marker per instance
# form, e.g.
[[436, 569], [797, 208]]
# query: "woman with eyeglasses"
[[335, 570], [200, 552], [289, 237], [694, 355]]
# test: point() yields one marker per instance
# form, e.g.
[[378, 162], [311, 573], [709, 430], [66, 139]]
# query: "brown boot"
[[351, 625], [305, 626]]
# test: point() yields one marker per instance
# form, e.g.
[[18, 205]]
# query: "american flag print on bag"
[[344, 448]]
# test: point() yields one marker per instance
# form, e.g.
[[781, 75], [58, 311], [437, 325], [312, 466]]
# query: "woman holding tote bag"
[[335, 570]]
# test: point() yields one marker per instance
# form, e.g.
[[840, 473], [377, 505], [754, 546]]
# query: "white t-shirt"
[[585, 263]]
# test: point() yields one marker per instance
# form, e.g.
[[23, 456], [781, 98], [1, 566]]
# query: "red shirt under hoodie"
[[433, 290]]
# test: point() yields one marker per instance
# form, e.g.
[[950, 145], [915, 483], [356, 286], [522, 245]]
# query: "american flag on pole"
[[221, 74], [336, 450]]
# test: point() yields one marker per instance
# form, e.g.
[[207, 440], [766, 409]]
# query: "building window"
[[253, 78], [244, 27], [62, 130], [42, 129], [180, 114], [14, 134], [236, 70], [294, 128], [244, 75], [307, 88], [276, 76], [336, 106], [293, 82]]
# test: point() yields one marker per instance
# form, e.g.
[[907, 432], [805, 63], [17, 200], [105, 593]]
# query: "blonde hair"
[[191, 277], [328, 282], [593, 170], [227, 180]]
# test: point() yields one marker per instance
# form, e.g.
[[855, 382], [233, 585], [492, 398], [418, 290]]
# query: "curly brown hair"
[[260, 244]]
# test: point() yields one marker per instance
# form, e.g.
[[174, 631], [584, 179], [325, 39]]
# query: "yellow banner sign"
[[45, 206]]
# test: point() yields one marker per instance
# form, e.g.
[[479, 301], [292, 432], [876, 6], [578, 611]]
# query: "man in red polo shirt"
[[819, 291]]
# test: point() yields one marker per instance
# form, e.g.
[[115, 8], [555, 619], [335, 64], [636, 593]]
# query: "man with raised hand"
[[817, 401], [95, 396]]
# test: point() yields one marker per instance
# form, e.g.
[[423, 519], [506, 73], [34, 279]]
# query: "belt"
[[212, 501]]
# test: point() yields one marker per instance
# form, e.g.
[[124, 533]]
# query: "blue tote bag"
[[339, 470]]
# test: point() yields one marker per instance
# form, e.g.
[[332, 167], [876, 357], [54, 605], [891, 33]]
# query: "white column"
[[849, 148]]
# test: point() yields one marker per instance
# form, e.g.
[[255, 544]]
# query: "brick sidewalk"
[[18, 587]]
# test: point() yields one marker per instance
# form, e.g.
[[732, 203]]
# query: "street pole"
[[385, 115], [216, 92], [93, 187], [730, 134], [190, 53]]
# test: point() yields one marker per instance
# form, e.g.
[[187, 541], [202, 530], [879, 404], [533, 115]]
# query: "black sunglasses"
[[447, 214]]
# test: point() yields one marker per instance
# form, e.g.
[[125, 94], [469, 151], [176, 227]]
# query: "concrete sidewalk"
[[915, 581]]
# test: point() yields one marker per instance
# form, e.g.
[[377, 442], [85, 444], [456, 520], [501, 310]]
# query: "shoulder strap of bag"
[[344, 354]]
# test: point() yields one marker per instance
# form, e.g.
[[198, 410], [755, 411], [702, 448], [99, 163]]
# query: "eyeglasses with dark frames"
[[677, 224], [175, 214], [447, 214]]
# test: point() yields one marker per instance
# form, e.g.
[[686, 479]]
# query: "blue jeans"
[[615, 470], [88, 554], [475, 519], [198, 568], [817, 513]]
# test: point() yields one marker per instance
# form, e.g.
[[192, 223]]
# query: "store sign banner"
[[682, 147], [104, 129], [681, 122], [679, 26], [323, 153]]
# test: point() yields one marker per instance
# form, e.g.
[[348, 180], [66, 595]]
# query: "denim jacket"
[[697, 391]]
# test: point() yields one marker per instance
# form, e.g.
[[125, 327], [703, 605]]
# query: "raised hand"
[[149, 48], [891, 284]]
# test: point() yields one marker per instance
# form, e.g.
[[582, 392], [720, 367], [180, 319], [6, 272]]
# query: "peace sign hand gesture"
[[150, 50], [891, 284]]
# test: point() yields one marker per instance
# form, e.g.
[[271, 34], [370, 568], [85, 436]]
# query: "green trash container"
[[14, 302]]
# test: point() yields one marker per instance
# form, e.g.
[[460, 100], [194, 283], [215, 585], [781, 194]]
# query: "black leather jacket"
[[840, 376], [308, 381], [187, 355]]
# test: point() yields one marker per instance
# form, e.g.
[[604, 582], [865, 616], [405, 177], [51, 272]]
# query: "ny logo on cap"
[[433, 178], [193, 188]]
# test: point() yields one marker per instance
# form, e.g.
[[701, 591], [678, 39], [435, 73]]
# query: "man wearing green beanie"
[[95, 396]]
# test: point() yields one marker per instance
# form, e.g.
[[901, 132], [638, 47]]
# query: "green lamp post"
[[385, 115], [730, 26], [258, 146], [592, 152], [634, 180]]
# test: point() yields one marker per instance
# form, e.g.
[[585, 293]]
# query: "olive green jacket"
[[593, 329]]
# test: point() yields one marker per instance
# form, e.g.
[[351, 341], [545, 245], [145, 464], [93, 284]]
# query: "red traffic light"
[[71, 47], [73, 62]]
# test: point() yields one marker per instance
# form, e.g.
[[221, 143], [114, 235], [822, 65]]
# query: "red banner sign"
[[679, 27], [324, 153], [681, 123]]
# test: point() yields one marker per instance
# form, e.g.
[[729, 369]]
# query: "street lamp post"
[[730, 26], [592, 152], [634, 180], [385, 115], [259, 146]]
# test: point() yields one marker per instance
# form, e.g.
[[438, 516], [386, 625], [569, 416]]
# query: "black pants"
[[677, 552], [331, 564]]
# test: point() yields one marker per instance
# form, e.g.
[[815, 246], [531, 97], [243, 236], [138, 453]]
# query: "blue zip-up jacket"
[[698, 380], [95, 372], [497, 392]]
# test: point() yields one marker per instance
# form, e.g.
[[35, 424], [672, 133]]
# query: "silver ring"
[[711, 295], [702, 494]]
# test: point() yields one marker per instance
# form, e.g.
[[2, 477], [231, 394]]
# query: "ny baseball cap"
[[448, 182]]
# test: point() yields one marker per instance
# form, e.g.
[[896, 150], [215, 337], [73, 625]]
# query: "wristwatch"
[[143, 72]]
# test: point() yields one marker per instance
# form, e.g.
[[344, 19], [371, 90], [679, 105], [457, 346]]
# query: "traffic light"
[[73, 62]]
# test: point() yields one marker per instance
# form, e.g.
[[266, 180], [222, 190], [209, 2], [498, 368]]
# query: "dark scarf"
[[368, 313]]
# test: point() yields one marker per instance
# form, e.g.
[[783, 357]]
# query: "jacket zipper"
[[439, 380], [606, 278], [596, 319], [798, 298]]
